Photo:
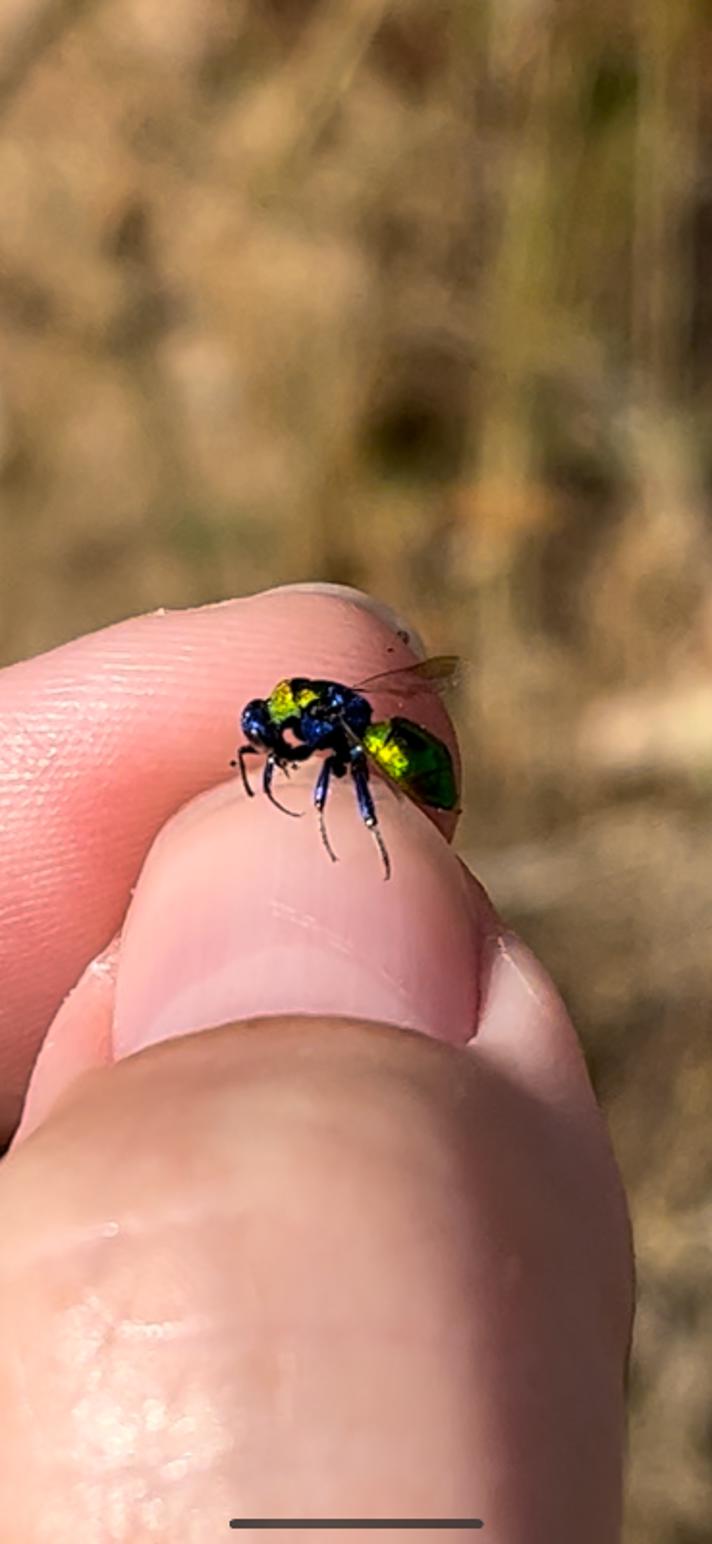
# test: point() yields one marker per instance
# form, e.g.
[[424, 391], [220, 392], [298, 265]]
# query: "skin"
[[311, 1210]]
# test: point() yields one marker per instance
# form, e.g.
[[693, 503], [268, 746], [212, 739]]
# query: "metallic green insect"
[[325, 715]]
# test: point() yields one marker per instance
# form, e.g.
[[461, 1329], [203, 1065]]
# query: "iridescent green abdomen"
[[412, 757]]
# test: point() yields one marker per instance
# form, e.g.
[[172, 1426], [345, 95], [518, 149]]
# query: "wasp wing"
[[440, 670]]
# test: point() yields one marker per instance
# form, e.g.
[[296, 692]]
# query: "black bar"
[[356, 1522]]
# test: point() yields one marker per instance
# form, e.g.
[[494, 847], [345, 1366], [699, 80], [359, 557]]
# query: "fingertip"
[[240, 913]]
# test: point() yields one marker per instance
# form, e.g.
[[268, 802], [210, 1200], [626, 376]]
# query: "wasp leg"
[[359, 773], [321, 788], [245, 750], [270, 764]]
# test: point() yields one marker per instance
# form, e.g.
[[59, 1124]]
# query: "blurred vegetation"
[[414, 295]]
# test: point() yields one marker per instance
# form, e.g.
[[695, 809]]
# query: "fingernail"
[[525, 1024], [239, 913], [377, 608]]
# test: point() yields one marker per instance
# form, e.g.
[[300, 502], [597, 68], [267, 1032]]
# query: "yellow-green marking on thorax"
[[283, 703]]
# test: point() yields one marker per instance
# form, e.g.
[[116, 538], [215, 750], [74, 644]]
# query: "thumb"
[[240, 913]]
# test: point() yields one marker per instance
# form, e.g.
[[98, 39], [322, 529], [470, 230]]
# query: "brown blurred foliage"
[[413, 294]]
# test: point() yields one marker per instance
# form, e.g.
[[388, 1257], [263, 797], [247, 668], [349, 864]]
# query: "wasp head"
[[256, 723]]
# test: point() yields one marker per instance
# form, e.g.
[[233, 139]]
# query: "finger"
[[312, 1268], [101, 740]]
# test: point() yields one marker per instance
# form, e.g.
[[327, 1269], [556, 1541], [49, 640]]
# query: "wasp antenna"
[[295, 814], [270, 765], [245, 750]]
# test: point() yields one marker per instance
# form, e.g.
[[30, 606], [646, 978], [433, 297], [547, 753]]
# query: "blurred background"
[[415, 295]]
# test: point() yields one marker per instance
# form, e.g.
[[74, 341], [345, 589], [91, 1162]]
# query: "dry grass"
[[414, 295]]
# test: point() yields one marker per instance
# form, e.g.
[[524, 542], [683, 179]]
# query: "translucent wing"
[[441, 670], [414, 761]]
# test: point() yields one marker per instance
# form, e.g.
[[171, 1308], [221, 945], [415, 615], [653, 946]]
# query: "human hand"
[[359, 1250]]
